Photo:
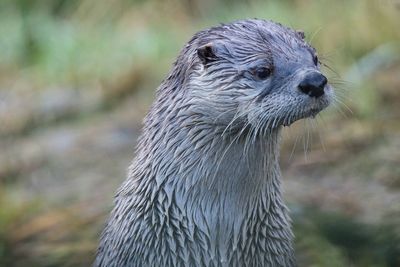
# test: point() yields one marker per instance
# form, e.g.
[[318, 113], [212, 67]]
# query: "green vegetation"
[[76, 77]]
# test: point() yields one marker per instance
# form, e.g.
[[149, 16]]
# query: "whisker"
[[331, 69], [339, 109], [223, 113], [322, 119], [318, 130], [235, 117], [305, 140], [343, 104], [293, 148], [314, 34]]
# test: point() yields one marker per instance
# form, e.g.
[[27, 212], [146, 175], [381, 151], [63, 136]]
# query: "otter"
[[205, 186]]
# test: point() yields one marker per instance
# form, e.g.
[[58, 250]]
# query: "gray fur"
[[204, 188]]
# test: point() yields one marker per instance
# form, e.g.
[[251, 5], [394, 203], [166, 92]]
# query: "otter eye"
[[262, 73], [316, 60]]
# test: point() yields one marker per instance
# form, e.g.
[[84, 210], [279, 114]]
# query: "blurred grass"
[[333, 239], [76, 42], [97, 54]]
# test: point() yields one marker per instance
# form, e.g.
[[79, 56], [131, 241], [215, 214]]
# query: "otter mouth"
[[309, 111], [314, 112]]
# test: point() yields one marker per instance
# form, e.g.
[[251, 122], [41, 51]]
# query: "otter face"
[[257, 73]]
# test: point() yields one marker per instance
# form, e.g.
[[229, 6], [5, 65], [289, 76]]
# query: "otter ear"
[[207, 53], [301, 34]]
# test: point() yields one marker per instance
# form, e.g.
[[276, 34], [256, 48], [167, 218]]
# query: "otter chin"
[[204, 188]]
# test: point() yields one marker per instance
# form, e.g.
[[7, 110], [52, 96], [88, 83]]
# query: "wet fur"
[[204, 188]]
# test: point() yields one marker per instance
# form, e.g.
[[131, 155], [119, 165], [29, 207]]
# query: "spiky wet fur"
[[204, 188]]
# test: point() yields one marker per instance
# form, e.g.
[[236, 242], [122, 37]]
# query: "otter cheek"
[[265, 92]]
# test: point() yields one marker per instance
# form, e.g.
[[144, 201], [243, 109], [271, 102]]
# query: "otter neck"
[[223, 193], [235, 173], [230, 189]]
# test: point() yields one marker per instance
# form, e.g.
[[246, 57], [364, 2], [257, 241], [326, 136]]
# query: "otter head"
[[257, 74]]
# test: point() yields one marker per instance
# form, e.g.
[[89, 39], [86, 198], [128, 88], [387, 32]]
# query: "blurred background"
[[77, 77]]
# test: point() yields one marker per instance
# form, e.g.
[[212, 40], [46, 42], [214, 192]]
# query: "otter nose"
[[313, 84]]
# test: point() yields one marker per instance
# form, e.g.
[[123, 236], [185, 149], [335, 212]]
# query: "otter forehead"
[[245, 40]]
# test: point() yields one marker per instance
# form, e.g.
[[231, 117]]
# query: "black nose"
[[313, 84]]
